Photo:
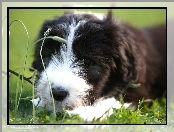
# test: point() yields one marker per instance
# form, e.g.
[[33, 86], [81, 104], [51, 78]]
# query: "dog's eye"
[[87, 62]]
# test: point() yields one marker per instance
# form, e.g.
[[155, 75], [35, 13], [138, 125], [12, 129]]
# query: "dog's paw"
[[99, 110], [87, 113]]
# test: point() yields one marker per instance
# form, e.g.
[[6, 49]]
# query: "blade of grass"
[[45, 34], [25, 57]]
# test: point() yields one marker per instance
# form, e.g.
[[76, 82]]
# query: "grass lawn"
[[21, 110], [156, 114]]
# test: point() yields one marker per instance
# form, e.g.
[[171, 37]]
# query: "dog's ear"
[[120, 47], [124, 48], [126, 59]]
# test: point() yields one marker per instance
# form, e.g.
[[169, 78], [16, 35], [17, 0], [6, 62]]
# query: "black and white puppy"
[[100, 61]]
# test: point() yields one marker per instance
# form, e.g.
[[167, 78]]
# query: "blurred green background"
[[33, 19]]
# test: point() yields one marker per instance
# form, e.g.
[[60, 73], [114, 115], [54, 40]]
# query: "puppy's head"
[[84, 69]]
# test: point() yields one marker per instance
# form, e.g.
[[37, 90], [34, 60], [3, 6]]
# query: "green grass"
[[156, 114]]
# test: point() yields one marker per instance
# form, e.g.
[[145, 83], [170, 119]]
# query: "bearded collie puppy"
[[102, 59]]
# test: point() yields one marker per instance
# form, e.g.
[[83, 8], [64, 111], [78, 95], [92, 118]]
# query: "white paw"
[[87, 113], [99, 110]]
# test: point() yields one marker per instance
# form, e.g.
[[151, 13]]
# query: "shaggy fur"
[[103, 56]]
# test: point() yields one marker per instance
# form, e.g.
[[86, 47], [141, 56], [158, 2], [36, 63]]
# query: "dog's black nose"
[[59, 94]]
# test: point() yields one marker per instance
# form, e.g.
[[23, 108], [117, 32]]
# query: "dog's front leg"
[[101, 109]]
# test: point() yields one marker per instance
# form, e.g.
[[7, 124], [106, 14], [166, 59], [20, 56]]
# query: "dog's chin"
[[70, 105], [66, 104]]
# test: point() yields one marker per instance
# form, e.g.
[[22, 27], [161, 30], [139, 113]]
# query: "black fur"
[[114, 54]]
